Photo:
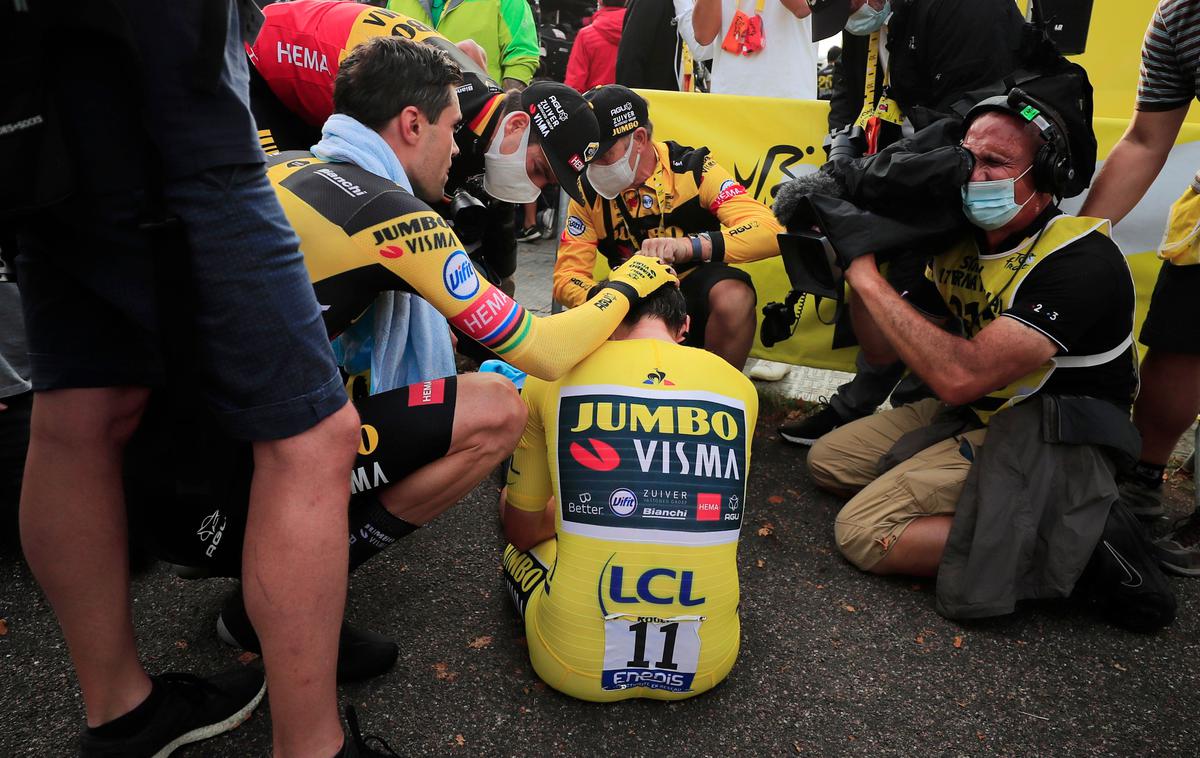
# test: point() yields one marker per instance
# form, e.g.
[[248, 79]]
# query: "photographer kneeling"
[[1046, 302]]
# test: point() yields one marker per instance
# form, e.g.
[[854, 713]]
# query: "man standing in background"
[[593, 58], [504, 28], [764, 49]]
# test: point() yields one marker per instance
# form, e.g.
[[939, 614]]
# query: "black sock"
[[1148, 474], [372, 529], [134, 721]]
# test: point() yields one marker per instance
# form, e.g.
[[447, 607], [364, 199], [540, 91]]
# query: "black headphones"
[[1053, 170]]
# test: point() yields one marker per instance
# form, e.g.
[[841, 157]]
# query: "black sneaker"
[[1123, 579], [1142, 501], [358, 746], [529, 234], [808, 429], [1178, 551], [190, 709], [362, 654]]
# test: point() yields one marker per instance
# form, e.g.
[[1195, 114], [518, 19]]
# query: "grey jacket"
[[1034, 504]]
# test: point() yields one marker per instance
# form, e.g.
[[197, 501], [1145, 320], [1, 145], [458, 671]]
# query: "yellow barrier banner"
[[764, 142]]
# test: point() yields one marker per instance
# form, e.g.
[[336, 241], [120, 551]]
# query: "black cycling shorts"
[[188, 487], [695, 288], [1171, 326]]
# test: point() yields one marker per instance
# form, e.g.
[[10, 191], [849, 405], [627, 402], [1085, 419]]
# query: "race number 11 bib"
[[660, 654]]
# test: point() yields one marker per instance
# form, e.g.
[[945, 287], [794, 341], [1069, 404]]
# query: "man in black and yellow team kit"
[[627, 579], [423, 446], [671, 202]]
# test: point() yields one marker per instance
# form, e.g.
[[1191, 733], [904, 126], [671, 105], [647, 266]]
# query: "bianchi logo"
[[622, 502]]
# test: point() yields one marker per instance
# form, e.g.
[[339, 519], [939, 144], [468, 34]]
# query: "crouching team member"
[[674, 203], [629, 585], [424, 446]]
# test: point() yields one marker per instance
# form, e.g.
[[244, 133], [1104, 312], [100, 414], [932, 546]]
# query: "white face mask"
[[504, 176], [611, 180]]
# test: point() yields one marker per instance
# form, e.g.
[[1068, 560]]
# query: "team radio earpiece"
[[1052, 166]]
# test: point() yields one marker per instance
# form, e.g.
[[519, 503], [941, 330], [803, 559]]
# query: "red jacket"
[[593, 58]]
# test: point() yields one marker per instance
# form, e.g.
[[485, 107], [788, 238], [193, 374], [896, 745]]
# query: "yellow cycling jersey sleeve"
[[362, 235], [647, 451]]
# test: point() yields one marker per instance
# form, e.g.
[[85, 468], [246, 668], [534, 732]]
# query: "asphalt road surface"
[[833, 662]]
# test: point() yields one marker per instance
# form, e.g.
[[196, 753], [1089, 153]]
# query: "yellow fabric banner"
[[765, 142]]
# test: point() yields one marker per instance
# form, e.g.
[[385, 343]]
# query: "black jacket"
[[939, 49], [646, 57]]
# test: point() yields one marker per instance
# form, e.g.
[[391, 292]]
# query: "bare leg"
[[1167, 403], [73, 487], [730, 329], [530, 214], [294, 577], [489, 417], [918, 550]]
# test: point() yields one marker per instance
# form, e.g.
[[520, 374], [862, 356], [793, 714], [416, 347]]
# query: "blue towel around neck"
[[403, 339]]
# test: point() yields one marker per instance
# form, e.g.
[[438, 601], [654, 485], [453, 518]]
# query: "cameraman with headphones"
[[1045, 301]]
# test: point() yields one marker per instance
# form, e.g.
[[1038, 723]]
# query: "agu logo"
[[574, 226], [708, 506], [459, 276], [596, 455], [622, 502]]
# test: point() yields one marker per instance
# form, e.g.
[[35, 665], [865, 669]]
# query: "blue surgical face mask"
[[992, 204], [867, 20]]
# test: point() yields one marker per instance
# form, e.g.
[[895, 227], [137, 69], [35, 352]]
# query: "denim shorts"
[[223, 293]]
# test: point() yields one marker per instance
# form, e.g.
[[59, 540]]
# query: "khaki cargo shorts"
[[928, 484]]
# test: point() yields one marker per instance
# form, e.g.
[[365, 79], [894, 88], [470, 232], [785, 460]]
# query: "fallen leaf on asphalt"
[[793, 493], [443, 672], [480, 642], [766, 529], [980, 736], [181, 644], [1119, 667], [958, 641], [247, 657], [961, 703], [920, 639], [760, 563], [459, 741], [775, 499], [3, 627], [798, 746], [848, 608]]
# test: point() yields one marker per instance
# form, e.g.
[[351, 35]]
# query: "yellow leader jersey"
[[687, 194], [646, 447]]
